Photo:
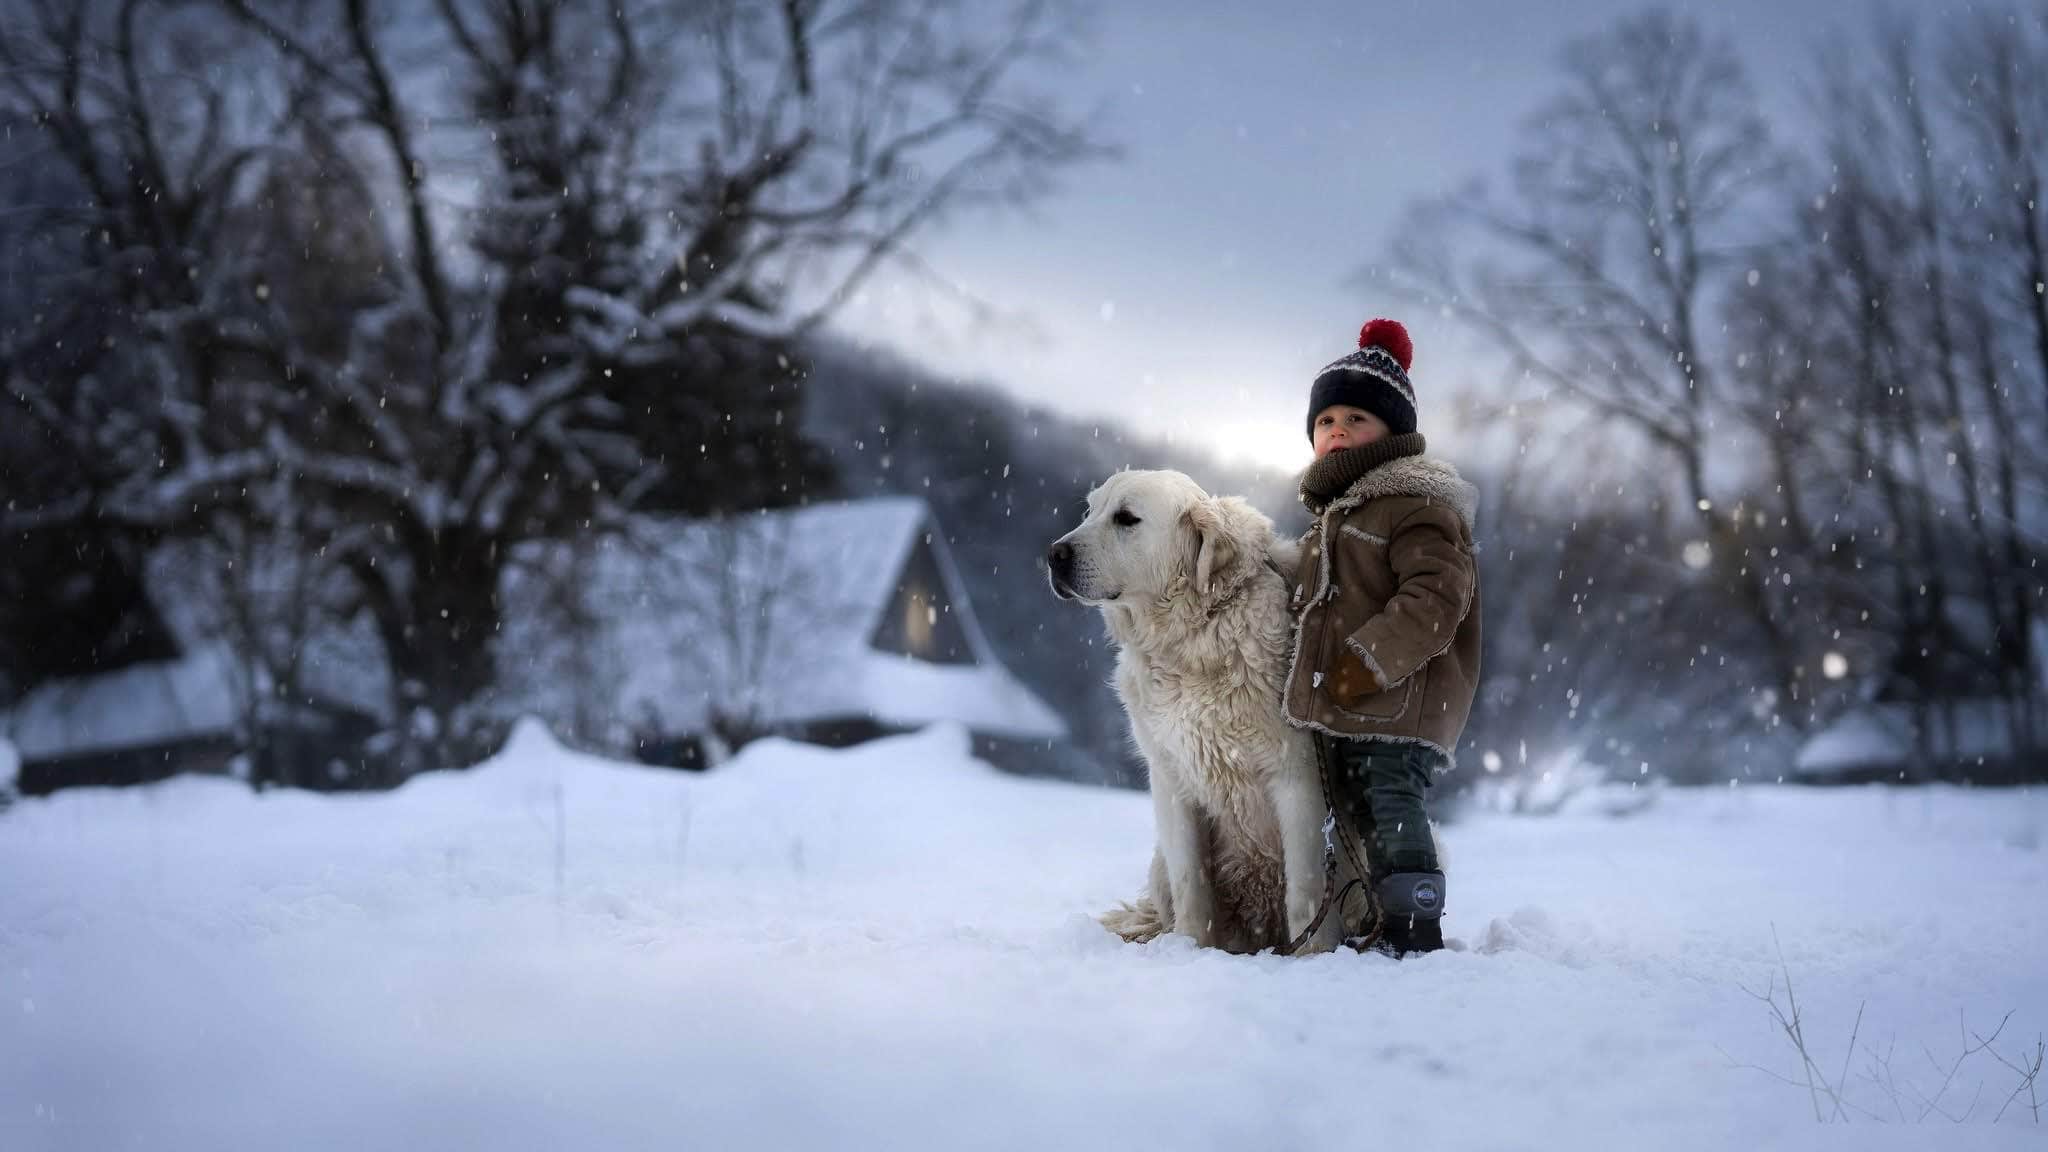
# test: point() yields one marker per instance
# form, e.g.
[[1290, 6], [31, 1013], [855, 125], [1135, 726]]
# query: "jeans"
[[1382, 791]]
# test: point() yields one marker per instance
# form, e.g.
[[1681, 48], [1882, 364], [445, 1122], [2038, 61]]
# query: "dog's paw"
[[1136, 923]]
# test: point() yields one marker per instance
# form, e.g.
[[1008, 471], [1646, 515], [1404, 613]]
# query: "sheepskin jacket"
[[1386, 641]]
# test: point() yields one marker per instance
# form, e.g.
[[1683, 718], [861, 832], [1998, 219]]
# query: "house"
[[1974, 734], [1971, 740], [189, 708], [157, 718], [128, 725], [674, 642], [831, 623]]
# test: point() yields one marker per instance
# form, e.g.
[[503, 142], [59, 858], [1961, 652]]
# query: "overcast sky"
[[1193, 287]]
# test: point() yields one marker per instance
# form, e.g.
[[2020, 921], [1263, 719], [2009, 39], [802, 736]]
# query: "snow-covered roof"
[[768, 614], [1877, 735], [140, 706], [339, 663], [201, 694]]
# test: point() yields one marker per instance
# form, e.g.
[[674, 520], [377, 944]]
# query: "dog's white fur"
[[1194, 589]]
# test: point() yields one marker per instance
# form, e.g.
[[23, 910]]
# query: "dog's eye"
[[1124, 518]]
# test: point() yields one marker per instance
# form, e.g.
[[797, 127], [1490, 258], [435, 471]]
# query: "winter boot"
[[1413, 907]]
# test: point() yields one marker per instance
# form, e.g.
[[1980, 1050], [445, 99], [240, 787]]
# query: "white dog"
[[1195, 592]]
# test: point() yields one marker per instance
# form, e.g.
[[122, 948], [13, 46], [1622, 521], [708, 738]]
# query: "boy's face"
[[1342, 426]]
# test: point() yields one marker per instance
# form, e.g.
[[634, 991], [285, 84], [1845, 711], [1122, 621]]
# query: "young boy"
[[1386, 653]]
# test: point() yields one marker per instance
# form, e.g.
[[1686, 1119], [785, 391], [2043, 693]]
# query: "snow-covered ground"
[[891, 947]]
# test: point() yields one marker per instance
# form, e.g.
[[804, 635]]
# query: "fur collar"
[[1424, 476]]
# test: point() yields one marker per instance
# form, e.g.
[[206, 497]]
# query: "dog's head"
[[1143, 531]]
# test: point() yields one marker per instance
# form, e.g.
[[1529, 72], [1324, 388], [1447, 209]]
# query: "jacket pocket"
[[1368, 568], [1384, 707], [1372, 538]]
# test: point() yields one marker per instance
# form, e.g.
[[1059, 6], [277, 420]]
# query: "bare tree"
[[1602, 273], [1996, 98], [1901, 336], [659, 185], [1832, 366], [749, 607], [674, 626]]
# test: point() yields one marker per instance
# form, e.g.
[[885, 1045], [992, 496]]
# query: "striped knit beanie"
[[1374, 378]]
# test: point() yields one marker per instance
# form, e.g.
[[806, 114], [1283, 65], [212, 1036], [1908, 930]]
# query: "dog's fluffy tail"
[[1138, 921]]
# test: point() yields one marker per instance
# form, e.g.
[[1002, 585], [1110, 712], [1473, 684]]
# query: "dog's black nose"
[[1061, 557]]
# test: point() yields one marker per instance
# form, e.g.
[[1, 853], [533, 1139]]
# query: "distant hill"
[[1005, 479]]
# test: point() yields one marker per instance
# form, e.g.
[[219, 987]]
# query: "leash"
[[1333, 834]]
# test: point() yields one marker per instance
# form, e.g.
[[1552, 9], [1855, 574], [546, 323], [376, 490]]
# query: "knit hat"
[[1374, 378]]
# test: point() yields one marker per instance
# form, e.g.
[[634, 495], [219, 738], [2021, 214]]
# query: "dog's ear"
[[1213, 548]]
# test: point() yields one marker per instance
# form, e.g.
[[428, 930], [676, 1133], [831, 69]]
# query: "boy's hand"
[[1353, 678]]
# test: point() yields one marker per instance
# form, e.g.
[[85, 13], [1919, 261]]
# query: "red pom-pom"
[[1389, 335]]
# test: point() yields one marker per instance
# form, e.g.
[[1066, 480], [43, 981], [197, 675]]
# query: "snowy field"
[[891, 947]]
